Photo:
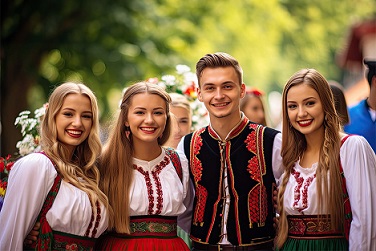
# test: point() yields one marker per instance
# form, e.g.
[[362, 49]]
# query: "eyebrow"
[[303, 99], [71, 109], [143, 108]]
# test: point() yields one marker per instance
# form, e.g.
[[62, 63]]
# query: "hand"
[[33, 235]]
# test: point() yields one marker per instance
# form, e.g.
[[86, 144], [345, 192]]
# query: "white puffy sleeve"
[[359, 166], [184, 220], [30, 180]]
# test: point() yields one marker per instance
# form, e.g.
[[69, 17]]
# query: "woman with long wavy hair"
[[325, 200], [59, 186], [146, 183]]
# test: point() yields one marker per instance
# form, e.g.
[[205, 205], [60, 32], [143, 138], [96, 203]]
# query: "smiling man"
[[233, 165]]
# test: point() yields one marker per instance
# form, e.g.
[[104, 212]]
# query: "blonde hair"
[[294, 145], [116, 160], [179, 100], [83, 164]]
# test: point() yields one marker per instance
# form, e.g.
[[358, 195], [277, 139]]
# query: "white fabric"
[[173, 189], [30, 180], [359, 166]]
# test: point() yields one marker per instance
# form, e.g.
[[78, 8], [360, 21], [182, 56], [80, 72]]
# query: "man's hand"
[[33, 235]]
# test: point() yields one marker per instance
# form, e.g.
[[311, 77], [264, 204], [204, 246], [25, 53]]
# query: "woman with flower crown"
[[146, 183], [59, 185]]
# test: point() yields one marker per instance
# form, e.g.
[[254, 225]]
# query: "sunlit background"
[[111, 44]]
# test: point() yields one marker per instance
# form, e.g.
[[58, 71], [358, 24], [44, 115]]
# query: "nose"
[[77, 121], [149, 118], [301, 111], [219, 93]]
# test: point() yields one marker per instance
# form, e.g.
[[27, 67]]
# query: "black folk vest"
[[248, 156]]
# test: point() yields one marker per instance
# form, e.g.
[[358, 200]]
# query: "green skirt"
[[316, 244], [185, 236]]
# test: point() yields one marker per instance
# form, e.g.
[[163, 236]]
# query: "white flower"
[[26, 145], [181, 69], [29, 130]]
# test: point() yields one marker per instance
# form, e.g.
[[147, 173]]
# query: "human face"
[[254, 110], [305, 110], [147, 117], [220, 91], [74, 120], [183, 123]]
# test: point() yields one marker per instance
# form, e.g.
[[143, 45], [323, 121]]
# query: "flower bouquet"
[[28, 144]]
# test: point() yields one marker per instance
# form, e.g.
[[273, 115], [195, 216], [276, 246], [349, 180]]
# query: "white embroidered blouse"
[[359, 166], [157, 188], [30, 180]]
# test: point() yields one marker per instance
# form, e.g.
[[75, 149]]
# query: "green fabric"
[[185, 236], [318, 244]]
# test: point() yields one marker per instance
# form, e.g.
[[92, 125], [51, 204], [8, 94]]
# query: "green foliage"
[[109, 44]]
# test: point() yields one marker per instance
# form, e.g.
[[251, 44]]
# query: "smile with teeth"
[[220, 104], [304, 123], [74, 133], [148, 129]]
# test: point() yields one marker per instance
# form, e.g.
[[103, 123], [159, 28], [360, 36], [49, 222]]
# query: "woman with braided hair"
[[325, 200]]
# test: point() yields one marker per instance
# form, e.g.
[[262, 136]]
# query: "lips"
[[74, 133], [305, 123], [148, 130]]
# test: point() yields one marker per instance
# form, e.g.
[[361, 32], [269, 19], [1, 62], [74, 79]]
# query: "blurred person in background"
[[253, 107], [363, 114], [182, 122], [340, 102]]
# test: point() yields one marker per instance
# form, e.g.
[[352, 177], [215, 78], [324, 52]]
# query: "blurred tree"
[[109, 44]]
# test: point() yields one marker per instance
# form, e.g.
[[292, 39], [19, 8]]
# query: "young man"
[[233, 165]]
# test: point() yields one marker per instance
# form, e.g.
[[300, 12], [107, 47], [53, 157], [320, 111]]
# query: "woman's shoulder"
[[34, 162], [356, 148], [353, 141]]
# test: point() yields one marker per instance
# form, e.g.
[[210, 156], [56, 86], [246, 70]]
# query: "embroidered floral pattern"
[[257, 169], [155, 175], [196, 169], [96, 224], [161, 226], [175, 161], [301, 195], [310, 225], [258, 207]]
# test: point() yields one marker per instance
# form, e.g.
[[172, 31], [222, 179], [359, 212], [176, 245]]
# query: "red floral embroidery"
[[155, 175], [251, 142], [258, 207], [196, 169], [96, 224], [254, 169], [297, 190]]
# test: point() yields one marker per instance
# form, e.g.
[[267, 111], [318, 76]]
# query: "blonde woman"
[[59, 186], [182, 119], [326, 199]]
